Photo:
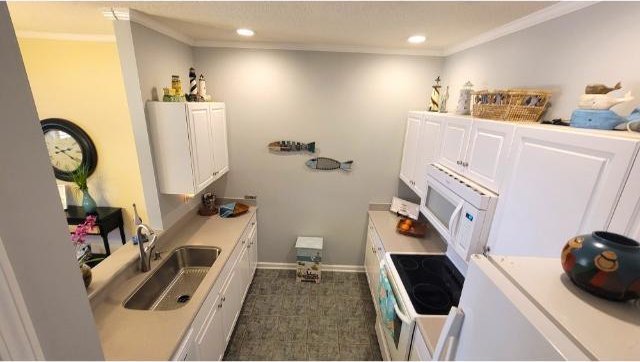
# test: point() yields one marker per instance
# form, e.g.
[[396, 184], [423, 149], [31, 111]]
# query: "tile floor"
[[285, 320]]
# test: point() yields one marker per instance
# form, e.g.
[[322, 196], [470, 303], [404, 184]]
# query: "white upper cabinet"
[[189, 145], [201, 137], [560, 183], [410, 150], [485, 162], [428, 149], [219, 138], [455, 138], [626, 217]]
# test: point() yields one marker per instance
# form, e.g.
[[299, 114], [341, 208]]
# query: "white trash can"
[[309, 258]]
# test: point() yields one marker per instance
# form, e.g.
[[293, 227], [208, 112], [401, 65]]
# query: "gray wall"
[[352, 105], [158, 57], [33, 228], [598, 44]]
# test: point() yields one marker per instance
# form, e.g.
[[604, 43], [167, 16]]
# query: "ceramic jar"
[[604, 264]]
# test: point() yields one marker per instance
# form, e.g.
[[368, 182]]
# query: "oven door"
[[395, 324], [442, 207]]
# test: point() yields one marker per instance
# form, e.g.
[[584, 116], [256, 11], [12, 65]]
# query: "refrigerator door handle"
[[447, 343]]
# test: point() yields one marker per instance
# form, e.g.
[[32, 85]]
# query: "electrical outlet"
[[250, 197]]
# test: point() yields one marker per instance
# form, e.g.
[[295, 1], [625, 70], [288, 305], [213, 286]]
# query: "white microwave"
[[459, 209]]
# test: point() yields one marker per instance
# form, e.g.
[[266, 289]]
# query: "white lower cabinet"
[[419, 350], [213, 326], [373, 254], [210, 344]]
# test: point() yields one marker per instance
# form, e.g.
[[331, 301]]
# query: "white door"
[[501, 323], [209, 342], [626, 218], [487, 153], [561, 183], [410, 150], [232, 294], [455, 137], [428, 149], [201, 145], [219, 136]]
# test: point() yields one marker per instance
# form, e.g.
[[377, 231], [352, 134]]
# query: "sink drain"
[[183, 298]]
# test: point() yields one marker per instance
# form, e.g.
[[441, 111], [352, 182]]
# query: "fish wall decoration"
[[328, 164], [292, 146]]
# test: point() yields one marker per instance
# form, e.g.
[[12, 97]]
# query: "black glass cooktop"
[[432, 282]]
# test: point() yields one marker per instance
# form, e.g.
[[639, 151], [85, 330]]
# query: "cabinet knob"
[[465, 164], [459, 162], [224, 298], [220, 305]]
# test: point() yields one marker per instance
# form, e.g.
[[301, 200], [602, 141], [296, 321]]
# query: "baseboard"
[[325, 267]]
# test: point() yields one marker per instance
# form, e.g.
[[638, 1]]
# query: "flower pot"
[[86, 274], [604, 264], [88, 203]]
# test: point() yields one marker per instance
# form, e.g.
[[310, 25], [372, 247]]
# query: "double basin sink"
[[173, 283]]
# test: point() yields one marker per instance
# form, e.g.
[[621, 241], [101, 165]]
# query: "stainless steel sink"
[[174, 282]]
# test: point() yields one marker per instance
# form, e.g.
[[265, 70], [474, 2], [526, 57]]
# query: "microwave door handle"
[[453, 220]]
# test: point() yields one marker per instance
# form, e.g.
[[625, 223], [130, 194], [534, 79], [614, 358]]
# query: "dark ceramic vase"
[[604, 264], [88, 203]]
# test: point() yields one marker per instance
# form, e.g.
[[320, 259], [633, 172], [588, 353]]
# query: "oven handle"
[[455, 217], [403, 317]]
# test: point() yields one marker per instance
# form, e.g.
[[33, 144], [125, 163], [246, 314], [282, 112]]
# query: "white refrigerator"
[[526, 308]]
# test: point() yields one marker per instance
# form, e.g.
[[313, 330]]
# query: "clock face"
[[65, 152], [69, 148]]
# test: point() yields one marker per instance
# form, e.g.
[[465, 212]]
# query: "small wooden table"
[[108, 219]]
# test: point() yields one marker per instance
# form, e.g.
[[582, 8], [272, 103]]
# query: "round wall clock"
[[69, 147]]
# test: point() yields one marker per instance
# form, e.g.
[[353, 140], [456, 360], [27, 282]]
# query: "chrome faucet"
[[146, 249]]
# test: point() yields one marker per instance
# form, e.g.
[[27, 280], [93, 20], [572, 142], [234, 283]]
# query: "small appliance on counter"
[[208, 208]]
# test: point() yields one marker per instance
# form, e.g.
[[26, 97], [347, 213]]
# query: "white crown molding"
[[125, 14], [103, 38], [535, 18], [315, 47]]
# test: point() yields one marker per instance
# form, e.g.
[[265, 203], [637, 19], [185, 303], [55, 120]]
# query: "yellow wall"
[[82, 82]]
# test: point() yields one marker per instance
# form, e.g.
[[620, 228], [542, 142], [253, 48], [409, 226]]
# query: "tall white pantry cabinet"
[[553, 182], [189, 144]]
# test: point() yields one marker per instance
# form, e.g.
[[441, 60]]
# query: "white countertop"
[[155, 335], [608, 330], [385, 223]]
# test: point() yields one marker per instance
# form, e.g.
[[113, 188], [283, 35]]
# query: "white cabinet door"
[[487, 153], [410, 150], [455, 137], [245, 267], [561, 183], [419, 350], [626, 218], [219, 136], [232, 295], [201, 144], [371, 265], [209, 342], [428, 149], [253, 250]]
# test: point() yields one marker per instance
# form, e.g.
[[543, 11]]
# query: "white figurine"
[[602, 101]]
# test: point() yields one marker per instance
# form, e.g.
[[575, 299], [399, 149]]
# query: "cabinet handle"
[[224, 298], [459, 162], [465, 164], [220, 305]]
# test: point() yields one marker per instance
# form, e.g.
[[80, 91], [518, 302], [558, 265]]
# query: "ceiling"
[[380, 25]]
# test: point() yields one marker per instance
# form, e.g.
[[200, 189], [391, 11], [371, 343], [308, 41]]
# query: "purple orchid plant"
[[78, 238]]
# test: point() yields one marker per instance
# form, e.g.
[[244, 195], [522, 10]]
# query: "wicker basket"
[[490, 104], [513, 105], [527, 105]]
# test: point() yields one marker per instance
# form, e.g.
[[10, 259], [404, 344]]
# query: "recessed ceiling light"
[[416, 39], [245, 32]]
